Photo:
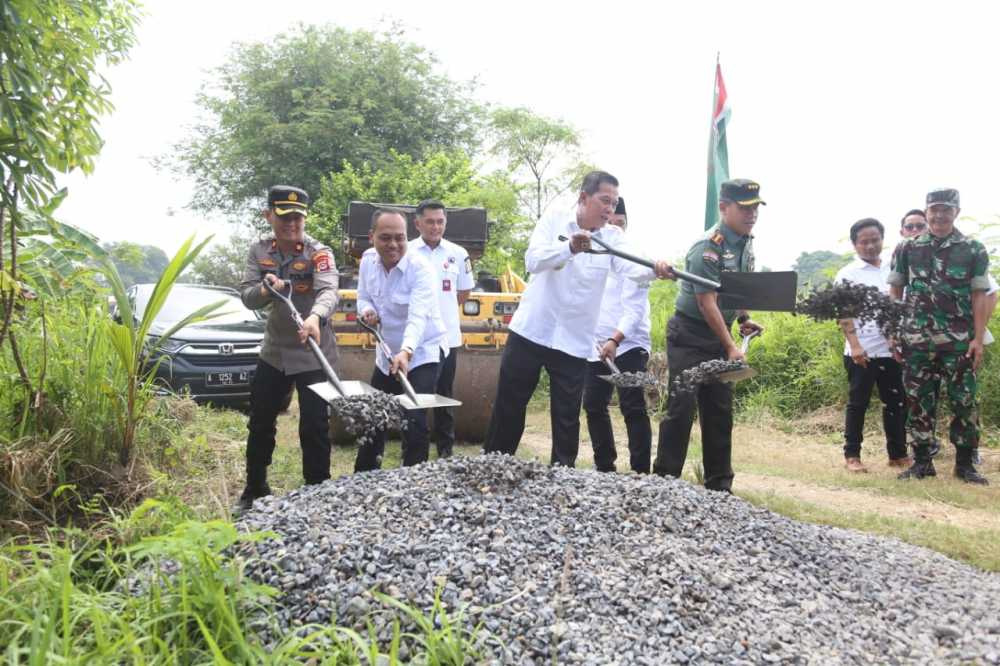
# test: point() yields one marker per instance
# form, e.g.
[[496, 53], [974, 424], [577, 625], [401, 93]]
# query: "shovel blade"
[[427, 401], [734, 376], [773, 291], [327, 391]]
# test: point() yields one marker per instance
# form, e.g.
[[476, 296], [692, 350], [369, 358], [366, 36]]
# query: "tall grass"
[[157, 588]]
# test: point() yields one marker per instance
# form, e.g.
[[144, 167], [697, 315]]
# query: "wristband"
[[614, 341]]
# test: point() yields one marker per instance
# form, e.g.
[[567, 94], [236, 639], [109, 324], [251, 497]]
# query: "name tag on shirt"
[[446, 285]]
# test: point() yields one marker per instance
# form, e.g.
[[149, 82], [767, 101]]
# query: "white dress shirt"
[[406, 301], [560, 307], [861, 272], [454, 273], [624, 307]]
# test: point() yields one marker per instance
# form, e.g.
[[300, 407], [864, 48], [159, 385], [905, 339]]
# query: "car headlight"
[[470, 308]]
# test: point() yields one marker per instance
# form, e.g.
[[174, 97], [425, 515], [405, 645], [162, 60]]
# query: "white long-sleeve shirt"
[[625, 308], [406, 301], [454, 274], [560, 307]]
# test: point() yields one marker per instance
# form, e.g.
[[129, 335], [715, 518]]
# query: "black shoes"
[[920, 469], [966, 472], [250, 493]]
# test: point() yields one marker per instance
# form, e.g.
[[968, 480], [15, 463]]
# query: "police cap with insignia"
[[741, 191], [943, 197], [285, 199]]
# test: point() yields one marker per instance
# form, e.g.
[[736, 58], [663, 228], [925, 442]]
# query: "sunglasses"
[[914, 227]]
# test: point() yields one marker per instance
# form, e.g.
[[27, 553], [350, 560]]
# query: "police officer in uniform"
[[289, 259], [700, 331], [944, 274]]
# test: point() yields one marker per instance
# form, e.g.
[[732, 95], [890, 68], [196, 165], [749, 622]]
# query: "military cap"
[[944, 196], [284, 199], [741, 191], [620, 209]]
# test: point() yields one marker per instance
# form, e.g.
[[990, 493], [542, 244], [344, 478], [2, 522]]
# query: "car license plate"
[[241, 378]]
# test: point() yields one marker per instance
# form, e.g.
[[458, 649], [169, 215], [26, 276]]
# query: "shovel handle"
[[331, 376], [746, 341], [384, 347], [683, 275], [612, 366]]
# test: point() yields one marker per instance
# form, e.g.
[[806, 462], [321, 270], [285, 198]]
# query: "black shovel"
[[335, 387], [410, 399], [773, 291]]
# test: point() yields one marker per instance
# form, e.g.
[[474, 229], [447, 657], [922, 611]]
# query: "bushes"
[[799, 362]]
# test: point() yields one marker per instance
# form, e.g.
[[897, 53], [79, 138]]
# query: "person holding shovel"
[[623, 337], [699, 331], [556, 321], [398, 291], [289, 261]]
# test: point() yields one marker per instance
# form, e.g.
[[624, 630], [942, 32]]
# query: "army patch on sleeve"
[[468, 265], [322, 262], [710, 256]]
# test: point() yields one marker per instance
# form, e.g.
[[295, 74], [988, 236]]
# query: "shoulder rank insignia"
[[717, 238]]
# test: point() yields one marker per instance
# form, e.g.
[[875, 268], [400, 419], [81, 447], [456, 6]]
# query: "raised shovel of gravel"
[[410, 398], [716, 370], [626, 379], [334, 388]]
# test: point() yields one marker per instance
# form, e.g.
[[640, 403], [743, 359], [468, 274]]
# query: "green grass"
[[978, 547]]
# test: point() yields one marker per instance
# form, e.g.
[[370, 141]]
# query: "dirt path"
[[791, 454]]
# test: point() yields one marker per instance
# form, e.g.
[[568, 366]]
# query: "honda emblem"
[[226, 348]]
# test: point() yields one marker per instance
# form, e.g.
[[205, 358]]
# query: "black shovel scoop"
[[774, 291]]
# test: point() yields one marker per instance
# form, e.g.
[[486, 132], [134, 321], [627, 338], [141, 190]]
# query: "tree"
[[51, 97], [304, 104], [448, 176], [222, 265], [819, 267], [542, 151], [137, 263]]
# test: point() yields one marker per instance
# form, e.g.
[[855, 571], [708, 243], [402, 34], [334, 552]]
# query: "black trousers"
[[444, 417], [520, 368], [269, 388], [690, 342], [415, 437], [631, 402], [887, 375]]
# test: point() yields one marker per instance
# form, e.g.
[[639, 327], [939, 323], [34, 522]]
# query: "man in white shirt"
[[555, 323], [868, 357], [397, 290], [454, 283], [623, 336]]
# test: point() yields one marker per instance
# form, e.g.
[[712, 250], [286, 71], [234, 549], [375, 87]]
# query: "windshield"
[[185, 300]]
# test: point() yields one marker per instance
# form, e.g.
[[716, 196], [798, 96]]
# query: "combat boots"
[[922, 466], [965, 470]]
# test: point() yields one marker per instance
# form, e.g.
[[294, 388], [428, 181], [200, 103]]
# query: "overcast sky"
[[840, 110]]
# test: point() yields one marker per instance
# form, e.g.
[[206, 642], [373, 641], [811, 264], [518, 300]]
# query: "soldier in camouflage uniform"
[[700, 331], [289, 260], [945, 278]]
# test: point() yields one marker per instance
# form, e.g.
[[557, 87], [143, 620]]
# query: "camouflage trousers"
[[925, 374]]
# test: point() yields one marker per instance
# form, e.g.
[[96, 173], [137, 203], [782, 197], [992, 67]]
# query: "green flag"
[[718, 153]]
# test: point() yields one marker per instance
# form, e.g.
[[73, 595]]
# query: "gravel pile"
[[850, 300], [364, 415], [589, 568], [705, 373]]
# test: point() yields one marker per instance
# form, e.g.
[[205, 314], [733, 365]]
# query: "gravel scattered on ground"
[[580, 567]]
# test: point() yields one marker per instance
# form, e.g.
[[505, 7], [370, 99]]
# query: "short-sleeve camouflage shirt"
[[720, 249], [940, 275]]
